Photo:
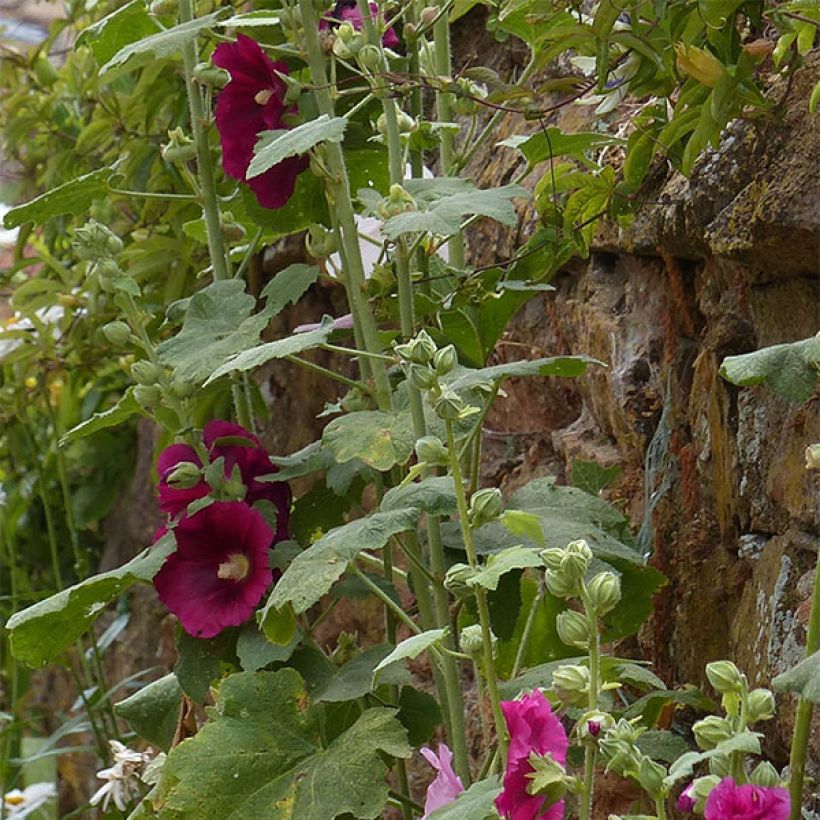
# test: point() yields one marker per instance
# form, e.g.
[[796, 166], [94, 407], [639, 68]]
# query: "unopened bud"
[[345, 32], [593, 723], [552, 558], [445, 360], [449, 406], [230, 229], [147, 395], [485, 506], [764, 774], [179, 148], [725, 677], [419, 350], [432, 451], [711, 730], [604, 592], [457, 578], [651, 777], [107, 269], [559, 584], [211, 76], [184, 476], [571, 684], [117, 333], [700, 789], [573, 628], [421, 376], [428, 16], [182, 389], [320, 242], [94, 241], [759, 705], [145, 372], [369, 57], [472, 641]]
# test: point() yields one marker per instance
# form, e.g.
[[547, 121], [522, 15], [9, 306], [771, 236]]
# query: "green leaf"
[[313, 572], [288, 286], [444, 214], [255, 651], [381, 440], [260, 757], [218, 324], [789, 369], [153, 711], [661, 745], [435, 495], [803, 679], [278, 625], [199, 662], [274, 146], [122, 411], [40, 632], [123, 26], [289, 346], [356, 678], [525, 524], [419, 713], [411, 648], [591, 477], [74, 197], [542, 146], [477, 803], [566, 366], [165, 43], [503, 562]]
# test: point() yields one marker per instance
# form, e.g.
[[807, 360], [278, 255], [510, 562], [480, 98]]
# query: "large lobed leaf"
[[552, 142], [790, 369], [381, 440], [40, 632], [260, 756], [124, 25], [804, 679]]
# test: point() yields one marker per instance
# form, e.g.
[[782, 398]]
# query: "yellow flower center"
[[263, 96], [235, 568], [14, 799]]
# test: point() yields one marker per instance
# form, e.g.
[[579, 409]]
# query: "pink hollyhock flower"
[[252, 460], [533, 727], [254, 101], [447, 785], [347, 11], [728, 801], [220, 569], [686, 800]]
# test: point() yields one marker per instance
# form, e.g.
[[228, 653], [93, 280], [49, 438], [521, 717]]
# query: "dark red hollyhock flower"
[[252, 102], [347, 11], [220, 570], [252, 460]]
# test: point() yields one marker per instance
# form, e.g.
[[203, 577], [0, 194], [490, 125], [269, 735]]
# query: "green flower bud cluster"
[[320, 242], [94, 242], [711, 731], [566, 568], [485, 506], [571, 684], [431, 450], [348, 42], [180, 147], [619, 748], [398, 201]]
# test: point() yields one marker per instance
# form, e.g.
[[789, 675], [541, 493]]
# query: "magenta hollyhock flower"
[[686, 801], [220, 569], [447, 785], [533, 727], [252, 460], [347, 11], [728, 801], [254, 101]]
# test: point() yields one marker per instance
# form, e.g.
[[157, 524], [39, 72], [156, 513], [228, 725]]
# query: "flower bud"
[[759, 705], [421, 376], [397, 202], [185, 475], [573, 628], [419, 350], [107, 270], [700, 64], [445, 360], [560, 584], [210, 75], [147, 395], [182, 389], [593, 723], [725, 676], [94, 241], [145, 372], [651, 777], [163, 7], [432, 451], [369, 57], [230, 229], [580, 548], [574, 565], [551, 558], [345, 32], [449, 406], [712, 730], [485, 506], [604, 592], [179, 148], [428, 16], [457, 580], [571, 684], [700, 789], [117, 333], [320, 242], [471, 641], [340, 48], [764, 774], [407, 124]]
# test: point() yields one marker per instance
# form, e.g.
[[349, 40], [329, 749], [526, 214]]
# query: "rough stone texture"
[[713, 477]]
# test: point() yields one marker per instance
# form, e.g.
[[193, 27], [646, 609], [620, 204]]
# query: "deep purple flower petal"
[[533, 727], [686, 801], [728, 801], [220, 569], [447, 784], [275, 187]]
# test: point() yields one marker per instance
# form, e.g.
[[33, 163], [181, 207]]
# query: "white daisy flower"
[[21, 803]]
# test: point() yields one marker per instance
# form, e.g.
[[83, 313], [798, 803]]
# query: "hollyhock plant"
[[728, 801], [533, 727], [447, 784], [686, 802], [252, 461], [347, 11], [254, 101], [220, 570]]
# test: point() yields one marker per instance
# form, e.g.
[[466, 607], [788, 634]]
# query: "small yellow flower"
[[700, 64]]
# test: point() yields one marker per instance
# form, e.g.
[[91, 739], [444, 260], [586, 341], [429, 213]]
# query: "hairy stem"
[[590, 750]]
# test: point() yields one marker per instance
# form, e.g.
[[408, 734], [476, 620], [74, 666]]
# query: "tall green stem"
[[480, 593], [590, 749], [802, 720], [339, 200]]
